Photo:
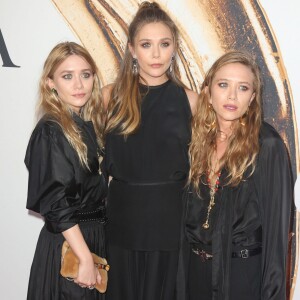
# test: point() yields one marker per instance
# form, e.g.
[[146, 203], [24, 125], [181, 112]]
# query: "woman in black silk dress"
[[146, 154], [239, 203], [65, 185]]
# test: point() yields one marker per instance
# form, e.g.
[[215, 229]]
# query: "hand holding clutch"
[[70, 264]]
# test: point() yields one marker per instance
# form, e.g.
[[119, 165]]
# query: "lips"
[[78, 95], [156, 66], [230, 107]]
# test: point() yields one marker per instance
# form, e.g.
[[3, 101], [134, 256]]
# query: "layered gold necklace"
[[212, 191]]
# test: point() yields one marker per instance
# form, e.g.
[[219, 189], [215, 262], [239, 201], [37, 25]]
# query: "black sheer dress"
[[149, 170], [65, 194]]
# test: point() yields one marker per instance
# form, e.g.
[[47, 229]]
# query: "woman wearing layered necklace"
[[239, 201]]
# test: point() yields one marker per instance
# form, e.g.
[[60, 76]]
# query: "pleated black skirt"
[[45, 281], [141, 275]]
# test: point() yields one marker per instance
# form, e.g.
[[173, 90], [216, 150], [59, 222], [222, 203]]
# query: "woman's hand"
[[88, 274]]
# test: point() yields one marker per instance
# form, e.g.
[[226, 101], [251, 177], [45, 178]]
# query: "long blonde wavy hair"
[[124, 109], [51, 105], [243, 144]]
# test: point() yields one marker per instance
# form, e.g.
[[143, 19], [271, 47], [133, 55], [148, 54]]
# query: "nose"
[[232, 94], [156, 52], [78, 82]]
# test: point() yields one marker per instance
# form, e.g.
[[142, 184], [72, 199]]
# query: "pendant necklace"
[[212, 192]]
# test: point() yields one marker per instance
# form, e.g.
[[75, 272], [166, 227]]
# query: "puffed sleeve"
[[275, 193], [52, 189]]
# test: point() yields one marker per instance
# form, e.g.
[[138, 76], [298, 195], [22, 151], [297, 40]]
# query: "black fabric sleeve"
[[52, 189], [275, 193]]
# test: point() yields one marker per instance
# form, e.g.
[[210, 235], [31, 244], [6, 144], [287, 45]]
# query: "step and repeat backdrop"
[[29, 30]]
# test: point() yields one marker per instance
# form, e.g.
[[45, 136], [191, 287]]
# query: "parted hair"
[[124, 109], [243, 144], [51, 105]]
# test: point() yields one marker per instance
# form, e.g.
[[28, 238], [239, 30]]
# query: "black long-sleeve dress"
[[144, 206], [254, 214], [65, 194]]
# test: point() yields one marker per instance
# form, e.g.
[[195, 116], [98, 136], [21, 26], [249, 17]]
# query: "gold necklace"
[[212, 192]]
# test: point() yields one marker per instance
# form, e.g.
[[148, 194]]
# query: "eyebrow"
[[163, 39], [224, 79], [72, 71]]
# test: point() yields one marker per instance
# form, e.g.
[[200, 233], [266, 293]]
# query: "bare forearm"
[[76, 241]]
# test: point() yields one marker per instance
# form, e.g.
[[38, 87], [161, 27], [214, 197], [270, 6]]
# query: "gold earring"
[[212, 124], [243, 118]]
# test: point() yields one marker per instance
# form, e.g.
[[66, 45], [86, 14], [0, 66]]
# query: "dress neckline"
[[154, 87]]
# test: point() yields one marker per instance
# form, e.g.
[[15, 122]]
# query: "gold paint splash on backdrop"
[[208, 29]]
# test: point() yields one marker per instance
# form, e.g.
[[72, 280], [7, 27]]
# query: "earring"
[[171, 65], [212, 116], [135, 70], [243, 118], [54, 91]]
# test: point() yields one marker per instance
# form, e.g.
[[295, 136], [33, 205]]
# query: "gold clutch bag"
[[70, 263]]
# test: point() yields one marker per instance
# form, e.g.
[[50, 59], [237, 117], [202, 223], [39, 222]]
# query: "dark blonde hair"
[[243, 144], [53, 106], [124, 105]]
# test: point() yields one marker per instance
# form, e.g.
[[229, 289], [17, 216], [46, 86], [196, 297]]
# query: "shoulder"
[[106, 93], [269, 136], [42, 138], [47, 137], [47, 126], [272, 145], [47, 130], [193, 99]]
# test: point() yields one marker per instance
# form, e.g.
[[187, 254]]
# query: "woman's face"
[[232, 92], [153, 48], [73, 81]]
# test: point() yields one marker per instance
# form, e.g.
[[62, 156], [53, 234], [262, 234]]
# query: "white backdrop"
[[30, 30]]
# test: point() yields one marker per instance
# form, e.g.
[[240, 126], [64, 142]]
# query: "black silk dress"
[[149, 170], [253, 215], [63, 191]]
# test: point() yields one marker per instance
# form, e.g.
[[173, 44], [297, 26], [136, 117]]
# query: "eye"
[[165, 44], [145, 45], [67, 76], [86, 75], [244, 88], [222, 84]]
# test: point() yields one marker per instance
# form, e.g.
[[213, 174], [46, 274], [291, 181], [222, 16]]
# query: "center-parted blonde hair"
[[243, 144], [51, 105], [125, 100]]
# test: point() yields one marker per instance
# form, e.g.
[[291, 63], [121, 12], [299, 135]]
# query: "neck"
[[154, 81], [226, 127]]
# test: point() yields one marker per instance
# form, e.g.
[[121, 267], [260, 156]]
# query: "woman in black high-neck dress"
[[65, 185], [146, 154]]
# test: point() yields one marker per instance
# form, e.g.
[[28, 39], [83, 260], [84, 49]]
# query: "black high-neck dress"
[[149, 170]]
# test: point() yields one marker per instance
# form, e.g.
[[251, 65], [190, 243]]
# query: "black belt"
[[152, 183], [98, 215], [244, 253]]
